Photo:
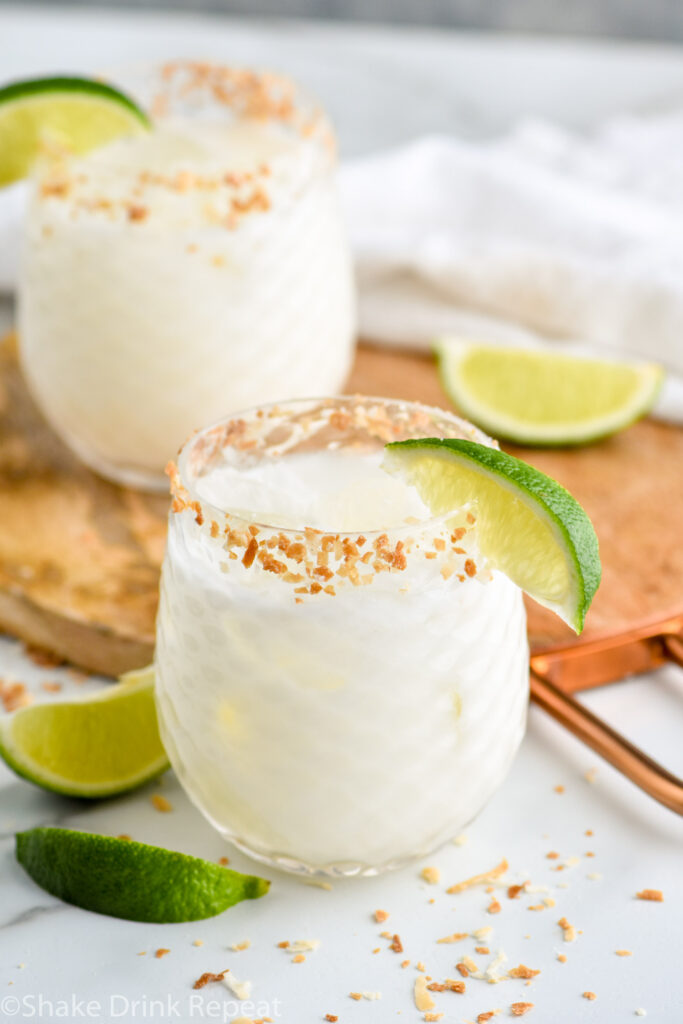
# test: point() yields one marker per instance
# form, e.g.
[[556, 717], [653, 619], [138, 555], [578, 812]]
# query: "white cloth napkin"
[[536, 237]]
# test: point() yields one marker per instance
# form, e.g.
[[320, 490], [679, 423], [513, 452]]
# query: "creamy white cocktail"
[[173, 276], [342, 681]]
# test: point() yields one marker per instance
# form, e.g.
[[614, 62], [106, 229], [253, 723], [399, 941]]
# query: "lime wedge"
[[131, 880], [77, 113], [90, 747], [528, 526], [544, 398]]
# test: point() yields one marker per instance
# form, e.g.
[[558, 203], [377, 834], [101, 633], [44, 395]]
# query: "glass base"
[[337, 869]]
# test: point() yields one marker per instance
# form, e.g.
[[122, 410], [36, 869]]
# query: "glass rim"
[[183, 479]]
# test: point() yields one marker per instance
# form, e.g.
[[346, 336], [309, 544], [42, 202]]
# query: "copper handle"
[[557, 673], [615, 748]]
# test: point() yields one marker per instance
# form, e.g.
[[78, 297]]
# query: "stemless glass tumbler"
[[337, 702], [171, 277]]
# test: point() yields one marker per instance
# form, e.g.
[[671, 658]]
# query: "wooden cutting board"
[[79, 557]]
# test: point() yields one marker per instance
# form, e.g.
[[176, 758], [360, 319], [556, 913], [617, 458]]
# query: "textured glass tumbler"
[[171, 277], [334, 703]]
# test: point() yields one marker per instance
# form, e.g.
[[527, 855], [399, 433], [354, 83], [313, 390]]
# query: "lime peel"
[[528, 526], [543, 398], [131, 880]]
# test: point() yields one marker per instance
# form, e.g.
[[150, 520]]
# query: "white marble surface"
[[62, 953], [382, 86]]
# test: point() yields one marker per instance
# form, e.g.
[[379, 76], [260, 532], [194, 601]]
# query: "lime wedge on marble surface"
[[528, 526], [132, 880], [544, 398], [93, 746], [77, 113]]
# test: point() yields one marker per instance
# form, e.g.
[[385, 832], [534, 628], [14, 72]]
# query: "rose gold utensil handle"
[[600, 737]]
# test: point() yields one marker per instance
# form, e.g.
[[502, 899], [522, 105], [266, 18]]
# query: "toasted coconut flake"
[[589, 995], [519, 1009], [455, 937], [460, 840], [161, 952], [569, 932], [493, 907], [160, 803], [653, 895], [431, 875], [482, 879], [623, 952], [423, 1000], [381, 916], [396, 945], [208, 978], [522, 971], [237, 947]]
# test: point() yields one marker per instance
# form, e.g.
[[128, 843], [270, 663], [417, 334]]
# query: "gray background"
[[626, 19]]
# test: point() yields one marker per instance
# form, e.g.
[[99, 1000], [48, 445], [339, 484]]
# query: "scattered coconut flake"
[[423, 1000], [589, 995], [519, 1009], [160, 803], [482, 879], [433, 1016], [653, 895], [460, 840], [431, 875], [492, 973], [381, 916], [590, 775], [493, 907], [298, 959], [562, 958], [303, 946], [207, 978], [198, 942], [483, 933], [623, 952], [455, 937], [319, 884], [640, 1012], [569, 932], [522, 971], [558, 789], [161, 952], [240, 989], [594, 876], [239, 946]]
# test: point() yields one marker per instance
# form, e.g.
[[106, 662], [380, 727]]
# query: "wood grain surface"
[[79, 557]]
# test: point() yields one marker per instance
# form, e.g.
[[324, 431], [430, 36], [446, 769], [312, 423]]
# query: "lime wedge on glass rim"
[[132, 880], [543, 398], [77, 113], [94, 746], [528, 526]]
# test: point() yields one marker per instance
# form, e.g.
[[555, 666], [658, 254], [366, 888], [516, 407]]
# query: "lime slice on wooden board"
[[544, 398]]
